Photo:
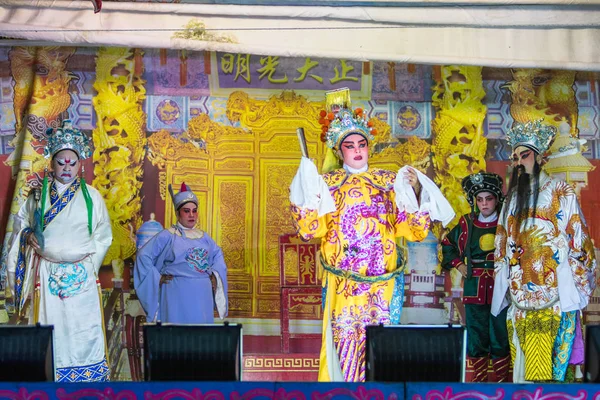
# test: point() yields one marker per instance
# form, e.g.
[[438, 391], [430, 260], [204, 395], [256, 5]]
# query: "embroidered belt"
[[62, 262], [356, 277], [166, 278]]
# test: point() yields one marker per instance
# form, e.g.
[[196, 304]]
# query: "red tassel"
[[163, 57], [97, 5], [366, 68], [437, 73], [392, 75], [183, 69], [207, 62], [138, 62], [183, 74]]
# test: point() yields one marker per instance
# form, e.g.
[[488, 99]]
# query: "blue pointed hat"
[[185, 195]]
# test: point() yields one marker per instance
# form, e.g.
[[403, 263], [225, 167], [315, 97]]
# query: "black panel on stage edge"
[[592, 354], [26, 353], [415, 353], [192, 352]]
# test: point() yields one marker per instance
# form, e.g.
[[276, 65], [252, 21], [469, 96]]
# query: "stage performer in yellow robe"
[[359, 212], [544, 262]]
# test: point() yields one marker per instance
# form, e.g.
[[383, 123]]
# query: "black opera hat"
[[482, 182]]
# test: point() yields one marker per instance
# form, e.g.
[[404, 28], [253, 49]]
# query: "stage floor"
[[293, 391], [264, 361], [281, 367], [298, 367]]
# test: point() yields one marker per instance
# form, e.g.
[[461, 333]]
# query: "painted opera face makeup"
[[486, 202], [524, 156], [187, 215], [65, 165], [355, 151]]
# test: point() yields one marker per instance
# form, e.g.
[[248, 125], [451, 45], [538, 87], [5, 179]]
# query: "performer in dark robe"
[[469, 248]]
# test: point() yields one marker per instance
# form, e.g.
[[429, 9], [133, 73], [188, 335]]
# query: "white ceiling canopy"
[[561, 34]]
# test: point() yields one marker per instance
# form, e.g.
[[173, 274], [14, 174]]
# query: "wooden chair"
[[301, 292]]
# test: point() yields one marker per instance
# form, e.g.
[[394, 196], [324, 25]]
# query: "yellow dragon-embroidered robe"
[[359, 255]]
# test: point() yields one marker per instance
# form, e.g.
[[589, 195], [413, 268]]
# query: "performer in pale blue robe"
[[172, 273], [53, 261]]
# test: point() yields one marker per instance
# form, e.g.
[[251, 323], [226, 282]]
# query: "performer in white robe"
[[53, 265], [544, 263]]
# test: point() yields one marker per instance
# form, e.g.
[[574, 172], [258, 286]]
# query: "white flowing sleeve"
[[102, 233], [309, 190], [576, 272], [432, 199], [219, 269], [500, 298]]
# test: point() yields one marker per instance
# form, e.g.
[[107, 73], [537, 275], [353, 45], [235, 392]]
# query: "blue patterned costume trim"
[[20, 268], [58, 203], [563, 345], [67, 279], [397, 300], [98, 372]]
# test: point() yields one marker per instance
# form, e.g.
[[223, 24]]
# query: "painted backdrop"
[[225, 124]]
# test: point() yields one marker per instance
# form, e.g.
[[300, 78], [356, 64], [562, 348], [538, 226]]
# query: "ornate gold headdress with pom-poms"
[[339, 121]]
